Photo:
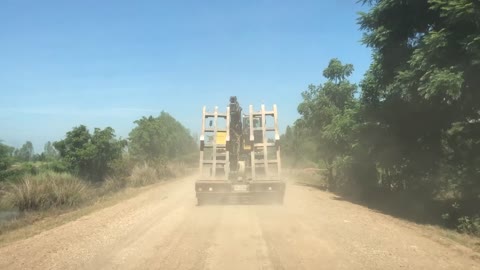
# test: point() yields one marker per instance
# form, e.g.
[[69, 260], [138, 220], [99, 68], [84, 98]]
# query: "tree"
[[90, 155], [6, 154], [298, 146], [160, 138], [421, 95], [328, 113], [25, 153], [49, 151]]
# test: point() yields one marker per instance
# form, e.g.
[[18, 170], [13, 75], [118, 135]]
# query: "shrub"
[[2, 196], [28, 168], [46, 190], [121, 168], [113, 183], [167, 170], [470, 225], [55, 165], [142, 175], [309, 177], [17, 171], [452, 215]]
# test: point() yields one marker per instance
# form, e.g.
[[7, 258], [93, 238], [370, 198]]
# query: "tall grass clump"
[[142, 175], [177, 169], [309, 176], [46, 190], [113, 184]]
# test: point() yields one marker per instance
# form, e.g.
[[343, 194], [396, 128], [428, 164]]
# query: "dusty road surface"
[[163, 228]]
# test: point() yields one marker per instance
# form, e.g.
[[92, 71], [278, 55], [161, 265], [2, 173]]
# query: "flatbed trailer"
[[240, 160]]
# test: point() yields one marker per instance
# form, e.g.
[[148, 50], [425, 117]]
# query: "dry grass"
[[178, 169], [51, 195], [308, 177], [46, 190], [142, 175], [147, 174], [34, 222], [113, 184], [50, 189]]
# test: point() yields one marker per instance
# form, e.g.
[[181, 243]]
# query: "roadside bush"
[[168, 170], [121, 168], [112, 184], [2, 196], [191, 158], [452, 215], [310, 177], [46, 190], [12, 174], [462, 218], [176, 169], [17, 171], [142, 175], [29, 168], [470, 225], [55, 165]]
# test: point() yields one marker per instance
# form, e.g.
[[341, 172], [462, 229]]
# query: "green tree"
[[90, 155], [49, 151], [160, 138], [298, 147], [25, 153], [6, 159], [420, 95], [328, 113]]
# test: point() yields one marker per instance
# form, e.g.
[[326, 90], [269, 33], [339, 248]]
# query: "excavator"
[[240, 156]]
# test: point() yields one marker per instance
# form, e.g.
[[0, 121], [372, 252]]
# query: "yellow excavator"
[[240, 155]]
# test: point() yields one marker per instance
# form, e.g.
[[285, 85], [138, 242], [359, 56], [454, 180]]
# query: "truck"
[[240, 156]]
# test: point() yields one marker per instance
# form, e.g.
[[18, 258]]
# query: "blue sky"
[[107, 63]]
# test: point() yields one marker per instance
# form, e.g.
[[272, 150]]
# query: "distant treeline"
[[95, 155], [86, 165]]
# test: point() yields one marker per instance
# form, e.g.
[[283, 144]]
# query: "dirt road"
[[163, 228]]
